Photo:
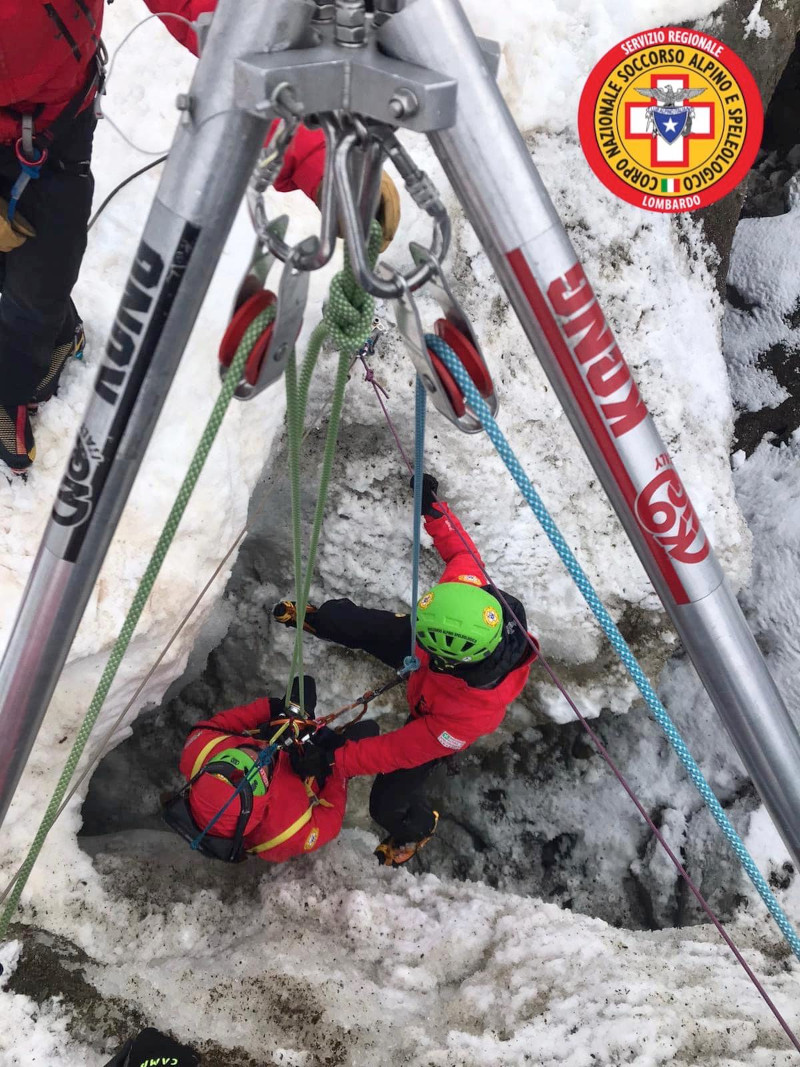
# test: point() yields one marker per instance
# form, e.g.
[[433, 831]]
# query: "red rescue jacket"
[[48, 46], [447, 714], [299, 817]]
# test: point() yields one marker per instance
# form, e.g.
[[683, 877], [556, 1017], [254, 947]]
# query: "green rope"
[[347, 321], [251, 335]]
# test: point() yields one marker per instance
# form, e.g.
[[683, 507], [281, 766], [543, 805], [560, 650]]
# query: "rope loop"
[[349, 312], [410, 664]]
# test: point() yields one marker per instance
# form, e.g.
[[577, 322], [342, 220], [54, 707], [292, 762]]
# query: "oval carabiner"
[[424, 194]]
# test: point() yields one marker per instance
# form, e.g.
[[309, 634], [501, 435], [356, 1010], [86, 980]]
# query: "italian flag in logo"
[[670, 185]]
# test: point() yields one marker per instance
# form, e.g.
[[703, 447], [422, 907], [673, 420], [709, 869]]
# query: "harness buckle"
[[31, 166]]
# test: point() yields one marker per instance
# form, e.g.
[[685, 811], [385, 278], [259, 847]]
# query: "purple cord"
[[370, 377], [598, 744]]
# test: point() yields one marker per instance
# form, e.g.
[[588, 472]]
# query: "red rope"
[[606, 755]]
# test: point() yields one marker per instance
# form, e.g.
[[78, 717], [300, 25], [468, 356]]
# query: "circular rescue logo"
[[670, 120]]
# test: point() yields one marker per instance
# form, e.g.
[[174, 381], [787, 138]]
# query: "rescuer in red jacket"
[[474, 660], [49, 77], [280, 812]]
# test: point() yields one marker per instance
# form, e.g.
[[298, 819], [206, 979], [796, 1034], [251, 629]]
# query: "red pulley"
[[237, 327], [470, 358]]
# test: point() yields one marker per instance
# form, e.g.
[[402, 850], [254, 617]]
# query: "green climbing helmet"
[[459, 622], [244, 762]]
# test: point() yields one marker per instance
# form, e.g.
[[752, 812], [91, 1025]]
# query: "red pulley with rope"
[[470, 357], [243, 318]]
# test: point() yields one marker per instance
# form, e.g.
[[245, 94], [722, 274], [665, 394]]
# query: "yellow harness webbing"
[[296, 826], [204, 751]]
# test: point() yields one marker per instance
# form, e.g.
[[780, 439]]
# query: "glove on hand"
[[311, 761], [277, 710], [329, 739], [430, 487], [13, 234]]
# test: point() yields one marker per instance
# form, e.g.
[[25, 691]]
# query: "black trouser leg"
[[36, 279], [357, 731], [397, 802], [382, 634]]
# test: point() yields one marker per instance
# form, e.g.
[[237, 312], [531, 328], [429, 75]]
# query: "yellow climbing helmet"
[[459, 622]]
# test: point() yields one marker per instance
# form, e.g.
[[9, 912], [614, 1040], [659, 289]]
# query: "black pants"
[[397, 801], [36, 279]]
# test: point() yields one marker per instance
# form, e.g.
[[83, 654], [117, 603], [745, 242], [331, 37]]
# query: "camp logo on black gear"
[[670, 120]]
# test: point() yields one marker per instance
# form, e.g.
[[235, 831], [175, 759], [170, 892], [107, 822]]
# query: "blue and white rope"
[[506, 453]]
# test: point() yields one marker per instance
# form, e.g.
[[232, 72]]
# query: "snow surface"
[[764, 272], [387, 965], [756, 23]]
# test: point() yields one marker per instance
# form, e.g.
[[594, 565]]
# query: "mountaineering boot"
[[285, 611], [48, 385], [17, 447], [391, 854]]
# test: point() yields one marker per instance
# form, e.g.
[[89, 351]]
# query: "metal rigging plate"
[[364, 80]]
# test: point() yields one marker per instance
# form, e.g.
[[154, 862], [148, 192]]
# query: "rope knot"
[[349, 311]]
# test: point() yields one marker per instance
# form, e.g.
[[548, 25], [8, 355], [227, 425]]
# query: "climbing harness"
[[33, 149], [177, 814], [314, 801]]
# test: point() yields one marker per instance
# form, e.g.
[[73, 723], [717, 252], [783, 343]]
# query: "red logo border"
[[754, 116]]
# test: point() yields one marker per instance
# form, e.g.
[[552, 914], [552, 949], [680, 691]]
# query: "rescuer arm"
[[455, 546], [187, 9], [418, 742]]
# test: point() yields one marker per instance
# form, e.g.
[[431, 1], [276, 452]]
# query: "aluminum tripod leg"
[[489, 166], [205, 178]]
